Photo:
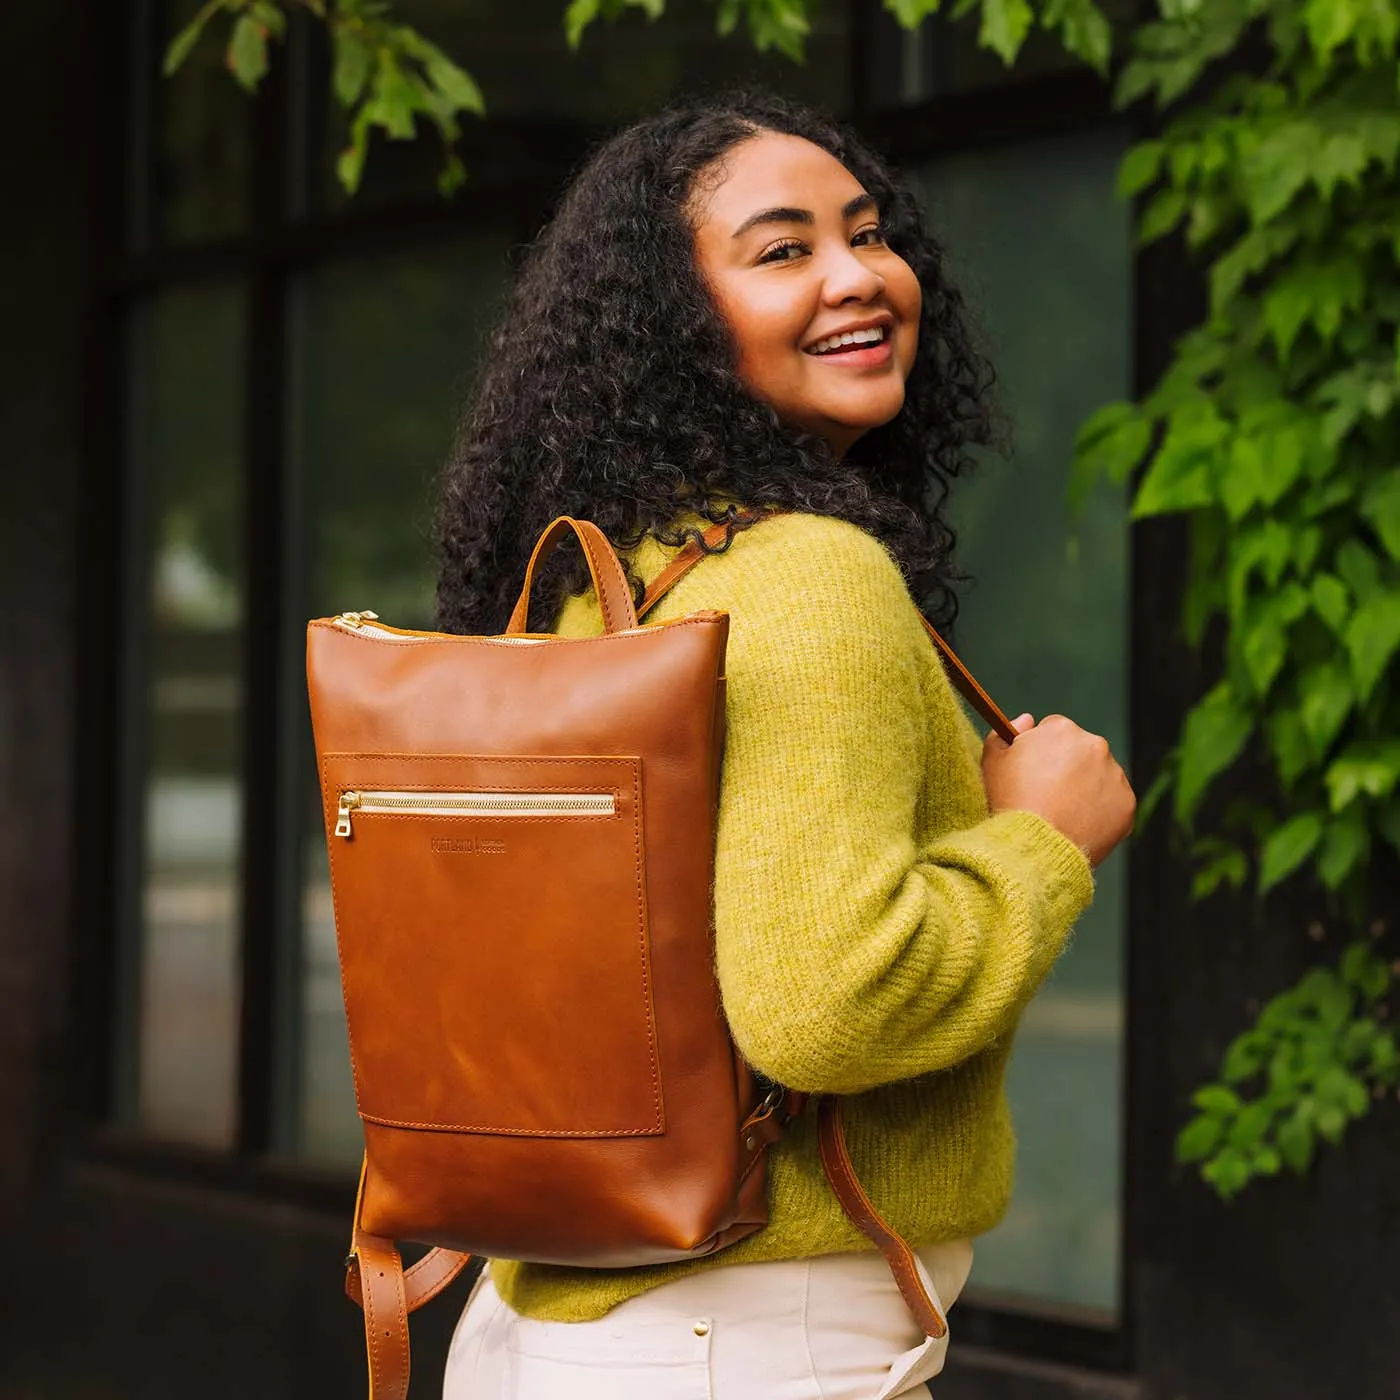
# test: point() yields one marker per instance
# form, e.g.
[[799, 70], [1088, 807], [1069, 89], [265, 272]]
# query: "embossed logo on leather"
[[465, 846]]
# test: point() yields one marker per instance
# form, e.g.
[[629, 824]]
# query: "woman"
[[735, 306]]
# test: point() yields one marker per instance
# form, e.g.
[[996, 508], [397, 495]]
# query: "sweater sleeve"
[[849, 955]]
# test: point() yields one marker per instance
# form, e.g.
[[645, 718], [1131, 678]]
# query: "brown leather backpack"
[[521, 833]]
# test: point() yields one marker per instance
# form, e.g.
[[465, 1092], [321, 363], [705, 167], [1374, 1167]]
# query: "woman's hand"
[[1064, 774]]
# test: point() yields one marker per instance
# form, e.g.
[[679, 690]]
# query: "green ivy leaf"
[[1227, 867], [352, 64], [1199, 1138], [1181, 475], [1227, 1173], [1331, 601], [1217, 1099], [1361, 570], [1331, 1123], [1278, 167], [1252, 253], [1287, 848], [1245, 1058], [1315, 293], [1263, 645], [1329, 24], [1244, 480], [350, 166], [1296, 1141], [182, 44], [1385, 1059], [1005, 24], [1266, 549], [911, 13], [1293, 753], [1372, 638], [1380, 505], [1370, 975], [1213, 736], [1345, 844], [1084, 31], [1371, 767], [1380, 133], [1344, 1090], [1140, 167], [1108, 446], [452, 176], [456, 85], [1327, 697], [1163, 214], [1249, 1128], [247, 52]]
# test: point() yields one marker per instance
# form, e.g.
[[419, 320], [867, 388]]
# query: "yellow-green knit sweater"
[[877, 933]]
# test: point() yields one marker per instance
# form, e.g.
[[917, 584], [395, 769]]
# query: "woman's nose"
[[848, 279]]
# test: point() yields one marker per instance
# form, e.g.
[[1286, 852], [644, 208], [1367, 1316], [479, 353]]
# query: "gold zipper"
[[362, 622], [473, 804], [355, 620]]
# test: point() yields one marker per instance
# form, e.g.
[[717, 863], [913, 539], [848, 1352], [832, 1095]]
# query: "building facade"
[[227, 392]]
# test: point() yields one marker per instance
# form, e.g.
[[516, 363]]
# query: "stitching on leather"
[[642, 942], [513, 818], [757, 1158], [607, 760], [490, 1129], [658, 1124], [628, 760], [335, 914], [584, 532]]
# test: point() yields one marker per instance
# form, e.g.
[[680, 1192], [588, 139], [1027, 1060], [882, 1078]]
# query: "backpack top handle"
[[609, 580]]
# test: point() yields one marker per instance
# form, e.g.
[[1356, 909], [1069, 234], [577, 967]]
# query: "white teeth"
[[873, 336]]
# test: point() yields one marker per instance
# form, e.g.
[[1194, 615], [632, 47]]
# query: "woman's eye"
[[867, 237], [785, 251]]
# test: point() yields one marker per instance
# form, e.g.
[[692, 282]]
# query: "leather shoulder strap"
[[963, 680], [836, 1162], [375, 1280]]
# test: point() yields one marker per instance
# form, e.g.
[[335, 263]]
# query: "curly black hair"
[[609, 389]]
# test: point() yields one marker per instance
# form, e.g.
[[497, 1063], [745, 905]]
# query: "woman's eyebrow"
[[785, 215]]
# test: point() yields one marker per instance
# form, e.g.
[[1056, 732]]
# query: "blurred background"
[[228, 390]]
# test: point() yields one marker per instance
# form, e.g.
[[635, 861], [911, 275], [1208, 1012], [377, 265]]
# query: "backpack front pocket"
[[491, 920]]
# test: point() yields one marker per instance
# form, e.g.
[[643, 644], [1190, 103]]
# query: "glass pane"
[[531, 78], [184, 701], [1045, 629], [380, 349], [194, 131]]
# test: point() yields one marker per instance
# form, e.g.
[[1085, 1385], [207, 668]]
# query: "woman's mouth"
[[860, 348]]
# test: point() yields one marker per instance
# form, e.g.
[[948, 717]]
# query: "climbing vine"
[[1274, 433]]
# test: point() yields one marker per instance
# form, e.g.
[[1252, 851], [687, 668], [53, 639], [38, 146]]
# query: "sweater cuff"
[[1069, 879]]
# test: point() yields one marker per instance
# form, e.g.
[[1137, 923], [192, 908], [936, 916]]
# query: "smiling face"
[[825, 317]]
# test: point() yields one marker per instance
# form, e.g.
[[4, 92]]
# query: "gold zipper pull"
[[348, 802], [353, 620]]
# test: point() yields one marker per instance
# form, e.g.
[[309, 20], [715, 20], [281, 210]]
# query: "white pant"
[[830, 1328]]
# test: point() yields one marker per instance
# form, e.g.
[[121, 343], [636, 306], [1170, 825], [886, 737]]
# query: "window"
[[380, 350], [1043, 253], [181, 847]]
